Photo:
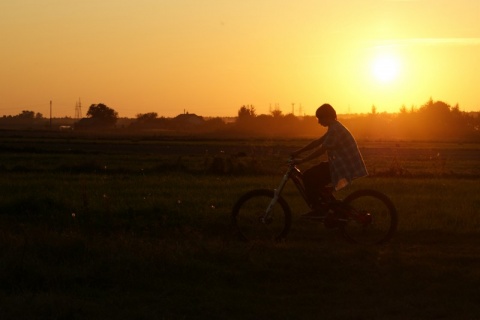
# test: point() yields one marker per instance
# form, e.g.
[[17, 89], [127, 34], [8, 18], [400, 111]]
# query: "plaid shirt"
[[346, 162]]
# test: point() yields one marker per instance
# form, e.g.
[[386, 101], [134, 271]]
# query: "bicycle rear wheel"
[[249, 220], [371, 217]]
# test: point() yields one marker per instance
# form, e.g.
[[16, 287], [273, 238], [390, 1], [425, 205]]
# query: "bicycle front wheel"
[[251, 222], [371, 217]]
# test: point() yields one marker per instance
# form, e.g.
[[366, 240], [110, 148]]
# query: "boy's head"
[[326, 114]]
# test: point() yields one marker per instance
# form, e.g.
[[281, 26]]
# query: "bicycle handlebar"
[[291, 161]]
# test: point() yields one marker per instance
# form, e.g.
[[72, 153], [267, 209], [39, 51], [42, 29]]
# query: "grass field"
[[99, 229]]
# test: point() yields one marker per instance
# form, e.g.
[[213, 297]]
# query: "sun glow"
[[385, 68]]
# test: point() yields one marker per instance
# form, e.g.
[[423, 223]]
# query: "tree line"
[[431, 121]]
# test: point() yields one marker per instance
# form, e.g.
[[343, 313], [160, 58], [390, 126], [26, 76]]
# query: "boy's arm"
[[315, 154], [311, 145]]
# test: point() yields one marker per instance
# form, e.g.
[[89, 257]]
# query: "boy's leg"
[[315, 179]]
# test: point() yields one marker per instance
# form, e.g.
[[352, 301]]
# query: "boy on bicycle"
[[345, 162]]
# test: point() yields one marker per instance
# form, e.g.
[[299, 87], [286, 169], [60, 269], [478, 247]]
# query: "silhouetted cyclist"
[[345, 162]]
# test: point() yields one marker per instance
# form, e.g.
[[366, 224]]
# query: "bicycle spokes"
[[257, 216], [371, 218]]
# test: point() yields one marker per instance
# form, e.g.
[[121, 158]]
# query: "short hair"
[[326, 111]]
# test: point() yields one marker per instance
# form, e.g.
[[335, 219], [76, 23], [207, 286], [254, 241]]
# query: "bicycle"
[[365, 216]]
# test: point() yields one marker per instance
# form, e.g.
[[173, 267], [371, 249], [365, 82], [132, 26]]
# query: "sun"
[[385, 68]]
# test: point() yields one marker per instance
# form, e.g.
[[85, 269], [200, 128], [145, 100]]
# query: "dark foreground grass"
[[58, 276], [95, 246]]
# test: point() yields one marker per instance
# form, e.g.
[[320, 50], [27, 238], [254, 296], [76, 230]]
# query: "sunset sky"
[[210, 57]]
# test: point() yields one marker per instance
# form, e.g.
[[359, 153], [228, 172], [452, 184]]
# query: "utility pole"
[[50, 114], [78, 109]]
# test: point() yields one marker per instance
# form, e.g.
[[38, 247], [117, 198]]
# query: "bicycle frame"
[[296, 176]]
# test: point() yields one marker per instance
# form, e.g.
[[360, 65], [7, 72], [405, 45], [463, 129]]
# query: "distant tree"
[[435, 111], [435, 120], [276, 113], [246, 112], [38, 115], [25, 114], [147, 121], [146, 117], [291, 118], [102, 114], [455, 110]]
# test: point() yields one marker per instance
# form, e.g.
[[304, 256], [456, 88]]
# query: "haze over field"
[[210, 57]]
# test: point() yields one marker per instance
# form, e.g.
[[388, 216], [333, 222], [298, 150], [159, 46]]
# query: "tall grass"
[[177, 199], [450, 205]]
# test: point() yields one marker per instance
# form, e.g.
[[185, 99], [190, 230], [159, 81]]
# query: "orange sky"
[[210, 57]]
